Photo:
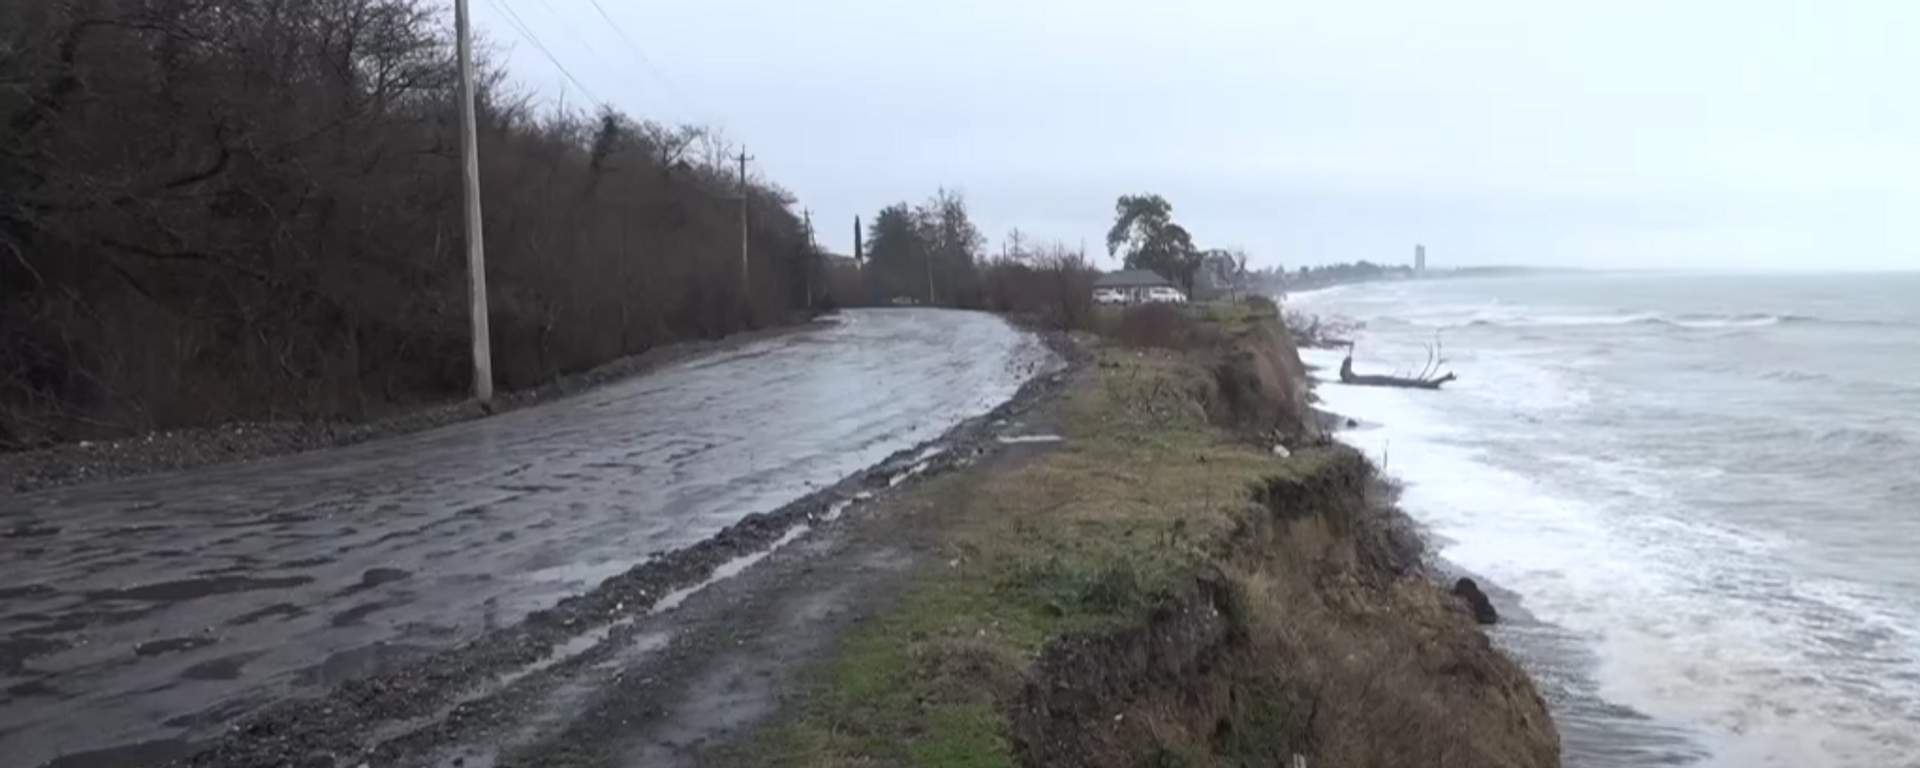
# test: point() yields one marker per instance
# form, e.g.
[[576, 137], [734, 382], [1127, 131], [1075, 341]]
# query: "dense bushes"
[[242, 209], [1052, 285], [931, 254]]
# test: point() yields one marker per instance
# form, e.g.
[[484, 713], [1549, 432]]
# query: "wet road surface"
[[161, 608]]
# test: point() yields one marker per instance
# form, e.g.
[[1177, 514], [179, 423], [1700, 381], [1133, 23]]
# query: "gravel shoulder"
[[95, 461]]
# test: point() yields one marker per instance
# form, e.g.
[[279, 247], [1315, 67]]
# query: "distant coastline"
[[1334, 275]]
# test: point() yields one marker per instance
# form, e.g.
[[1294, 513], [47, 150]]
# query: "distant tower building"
[[1419, 259]]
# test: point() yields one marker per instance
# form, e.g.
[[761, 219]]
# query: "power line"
[[568, 28], [520, 25], [641, 54]]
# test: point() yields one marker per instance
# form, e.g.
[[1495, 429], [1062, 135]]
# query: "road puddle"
[[190, 589], [727, 570]]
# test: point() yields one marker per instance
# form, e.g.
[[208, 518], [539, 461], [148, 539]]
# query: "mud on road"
[[381, 599]]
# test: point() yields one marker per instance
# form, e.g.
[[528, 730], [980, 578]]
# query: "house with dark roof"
[[1135, 286]]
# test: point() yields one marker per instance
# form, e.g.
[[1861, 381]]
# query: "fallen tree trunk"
[[1347, 376]]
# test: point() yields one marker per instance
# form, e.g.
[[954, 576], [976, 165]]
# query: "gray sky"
[[1625, 133]]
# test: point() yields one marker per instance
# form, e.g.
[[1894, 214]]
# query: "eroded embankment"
[[1310, 632], [1166, 589]]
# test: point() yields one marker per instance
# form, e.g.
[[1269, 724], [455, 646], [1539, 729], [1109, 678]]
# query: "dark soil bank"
[[1319, 635]]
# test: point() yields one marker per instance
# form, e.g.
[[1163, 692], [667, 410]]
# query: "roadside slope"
[[1164, 589]]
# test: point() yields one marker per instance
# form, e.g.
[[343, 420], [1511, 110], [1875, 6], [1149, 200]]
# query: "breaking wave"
[[1726, 527], [1877, 440], [1685, 320], [1745, 320], [1795, 376]]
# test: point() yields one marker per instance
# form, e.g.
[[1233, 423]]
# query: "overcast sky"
[[1625, 133]]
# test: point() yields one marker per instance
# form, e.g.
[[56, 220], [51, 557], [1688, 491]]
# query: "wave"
[[1881, 440], [1566, 321], [1908, 322], [1579, 320], [1685, 320], [1761, 319], [1743, 320], [1795, 376], [1530, 321]]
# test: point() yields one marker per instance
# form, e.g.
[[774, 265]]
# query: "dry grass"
[[1233, 362], [1368, 667]]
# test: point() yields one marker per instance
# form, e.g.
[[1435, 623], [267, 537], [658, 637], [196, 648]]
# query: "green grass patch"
[[918, 685]]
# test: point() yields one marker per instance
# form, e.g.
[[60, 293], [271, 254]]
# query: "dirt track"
[[139, 620]]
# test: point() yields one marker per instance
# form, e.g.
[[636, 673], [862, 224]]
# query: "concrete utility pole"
[[929, 278], [746, 284], [860, 261], [809, 265], [476, 250]]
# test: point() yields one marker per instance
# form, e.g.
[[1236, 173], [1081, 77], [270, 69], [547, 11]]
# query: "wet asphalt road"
[[162, 608]]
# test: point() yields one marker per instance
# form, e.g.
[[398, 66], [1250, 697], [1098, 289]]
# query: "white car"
[[1108, 296], [1166, 295]]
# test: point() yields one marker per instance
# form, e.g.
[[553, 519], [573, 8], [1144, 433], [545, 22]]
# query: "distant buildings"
[[1309, 278], [1419, 260]]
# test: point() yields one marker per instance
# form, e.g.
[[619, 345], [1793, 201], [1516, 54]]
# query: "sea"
[[1695, 497]]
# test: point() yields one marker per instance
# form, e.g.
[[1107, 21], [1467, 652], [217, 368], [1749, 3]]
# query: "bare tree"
[[247, 209], [1226, 271]]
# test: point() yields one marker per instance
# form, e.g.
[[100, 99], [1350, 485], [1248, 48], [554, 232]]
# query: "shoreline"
[[1695, 481], [1595, 731], [87, 462]]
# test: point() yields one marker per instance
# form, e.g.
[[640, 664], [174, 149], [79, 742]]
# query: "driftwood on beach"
[[1428, 378]]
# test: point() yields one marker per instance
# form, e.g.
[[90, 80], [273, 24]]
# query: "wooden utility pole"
[[746, 284], [476, 251]]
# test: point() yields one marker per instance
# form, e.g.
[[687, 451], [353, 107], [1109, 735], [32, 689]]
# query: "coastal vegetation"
[[933, 254]]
